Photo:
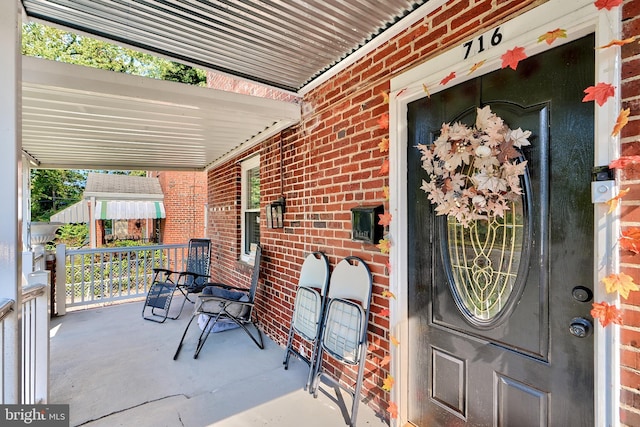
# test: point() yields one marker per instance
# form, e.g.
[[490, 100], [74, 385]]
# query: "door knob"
[[580, 327]]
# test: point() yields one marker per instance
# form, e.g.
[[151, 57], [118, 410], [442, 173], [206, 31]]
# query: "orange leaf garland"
[[387, 383], [624, 161], [388, 294], [616, 42], [384, 145], [426, 90], [621, 283], [607, 4], [394, 340], [385, 97], [623, 119], [513, 57], [606, 313], [384, 168], [385, 361], [476, 66], [385, 219], [447, 79], [392, 409], [384, 245], [384, 312], [613, 202], [551, 36], [383, 121], [385, 192], [630, 240], [599, 93]]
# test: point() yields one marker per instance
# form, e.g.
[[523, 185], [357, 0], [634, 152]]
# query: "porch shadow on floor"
[[115, 369]]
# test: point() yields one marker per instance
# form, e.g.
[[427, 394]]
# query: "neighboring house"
[[168, 208]]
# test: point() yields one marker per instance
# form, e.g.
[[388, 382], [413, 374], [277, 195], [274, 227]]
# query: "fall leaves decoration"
[[474, 173]]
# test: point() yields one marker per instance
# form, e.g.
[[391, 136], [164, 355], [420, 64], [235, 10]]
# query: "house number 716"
[[494, 40]]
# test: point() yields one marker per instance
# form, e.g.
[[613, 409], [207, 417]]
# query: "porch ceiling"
[[76, 117], [281, 43]]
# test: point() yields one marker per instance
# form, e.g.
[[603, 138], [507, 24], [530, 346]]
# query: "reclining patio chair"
[[308, 309], [223, 303], [344, 330], [166, 282]]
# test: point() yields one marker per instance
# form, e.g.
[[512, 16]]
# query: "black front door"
[[491, 305]]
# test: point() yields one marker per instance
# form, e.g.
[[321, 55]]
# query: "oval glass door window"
[[484, 259]]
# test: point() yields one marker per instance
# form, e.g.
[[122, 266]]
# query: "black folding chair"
[[166, 282], [223, 303], [308, 309]]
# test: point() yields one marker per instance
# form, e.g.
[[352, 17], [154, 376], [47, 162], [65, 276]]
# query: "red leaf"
[[599, 93], [630, 240], [447, 79], [383, 121], [512, 57], [617, 42], [606, 313], [392, 409], [624, 161], [385, 219], [384, 169], [384, 312], [607, 4]]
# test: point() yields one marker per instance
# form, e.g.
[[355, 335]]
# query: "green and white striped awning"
[[129, 209]]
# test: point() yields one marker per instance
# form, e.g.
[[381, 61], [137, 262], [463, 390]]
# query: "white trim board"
[[578, 18]]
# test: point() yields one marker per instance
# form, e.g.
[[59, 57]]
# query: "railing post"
[[41, 337], [61, 280]]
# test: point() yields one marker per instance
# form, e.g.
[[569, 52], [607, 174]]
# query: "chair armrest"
[[228, 287]]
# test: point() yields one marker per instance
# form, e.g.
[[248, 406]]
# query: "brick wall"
[[630, 215], [185, 198], [331, 162]]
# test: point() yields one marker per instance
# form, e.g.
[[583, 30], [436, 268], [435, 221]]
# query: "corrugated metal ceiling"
[[281, 43]]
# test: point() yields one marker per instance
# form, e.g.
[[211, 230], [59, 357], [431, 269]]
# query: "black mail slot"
[[364, 224]]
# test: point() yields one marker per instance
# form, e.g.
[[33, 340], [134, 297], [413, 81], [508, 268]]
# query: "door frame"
[[578, 18]]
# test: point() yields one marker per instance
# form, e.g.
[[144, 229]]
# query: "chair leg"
[[257, 341], [204, 335], [287, 352], [184, 334]]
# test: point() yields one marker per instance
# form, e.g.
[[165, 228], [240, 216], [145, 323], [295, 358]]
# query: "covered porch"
[[113, 368]]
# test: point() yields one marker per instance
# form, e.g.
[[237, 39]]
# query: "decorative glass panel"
[[484, 259]]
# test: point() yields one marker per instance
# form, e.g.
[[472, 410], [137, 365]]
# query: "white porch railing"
[[86, 277], [33, 379]]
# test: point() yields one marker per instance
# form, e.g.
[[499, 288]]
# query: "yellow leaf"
[[621, 283], [385, 97], [385, 361], [384, 245], [384, 145], [476, 66], [388, 294], [394, 340], [426, 90], [388, 382], [613, 202], [385, 192]]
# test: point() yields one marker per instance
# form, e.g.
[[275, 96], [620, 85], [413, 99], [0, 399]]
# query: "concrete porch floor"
[[115, 369]]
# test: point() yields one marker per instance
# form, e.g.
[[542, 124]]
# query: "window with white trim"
[[250, 215]]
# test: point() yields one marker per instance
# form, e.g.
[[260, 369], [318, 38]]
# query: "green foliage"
[[53, 190], [51, 43], [73, 235]]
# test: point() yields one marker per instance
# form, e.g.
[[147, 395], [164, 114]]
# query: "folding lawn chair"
[[344, 329], [223, 303], [308, 308], [166, 282]]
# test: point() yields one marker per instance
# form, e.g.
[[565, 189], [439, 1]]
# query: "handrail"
[[6, 307], [30, 292]]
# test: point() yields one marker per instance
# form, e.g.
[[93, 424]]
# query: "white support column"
[[10, 176]]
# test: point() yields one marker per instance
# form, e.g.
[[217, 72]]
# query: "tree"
[[51, 43], [53, 190]]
